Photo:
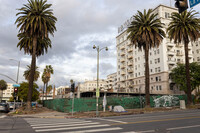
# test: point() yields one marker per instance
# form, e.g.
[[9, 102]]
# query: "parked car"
[[11, 106], [4, 107]]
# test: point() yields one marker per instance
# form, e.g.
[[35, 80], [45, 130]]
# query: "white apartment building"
[[91, 85], [131, 61], [111, 82], [8, 92]]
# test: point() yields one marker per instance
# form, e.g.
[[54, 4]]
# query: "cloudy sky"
[[80, 25]]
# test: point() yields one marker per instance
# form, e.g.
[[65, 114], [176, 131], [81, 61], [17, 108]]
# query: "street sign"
[[16, 85], [97, 92], [193, 3]]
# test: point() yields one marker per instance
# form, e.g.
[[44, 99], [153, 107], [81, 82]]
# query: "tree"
[[28, 71], [178, 76], [49, 88], [3, 86], [44, 80], [47, 72], [184, 28], [35, 22], [23, 92], [145, 33]]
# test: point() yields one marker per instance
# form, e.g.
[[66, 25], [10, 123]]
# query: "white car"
[[4, 107]]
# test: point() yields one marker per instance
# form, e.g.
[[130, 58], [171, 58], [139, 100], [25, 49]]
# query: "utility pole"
[[97, 89]]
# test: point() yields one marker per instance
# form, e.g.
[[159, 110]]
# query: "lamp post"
[[17, 70], [97, 90]]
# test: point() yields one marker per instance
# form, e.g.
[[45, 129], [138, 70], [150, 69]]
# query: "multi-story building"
[[131, 61], [8, 92], [111, 82], [91, 85], [196, 51]]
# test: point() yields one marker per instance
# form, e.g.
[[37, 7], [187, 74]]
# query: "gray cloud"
[[80, 25]]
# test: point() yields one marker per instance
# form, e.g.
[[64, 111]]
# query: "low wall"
[[89, 104]]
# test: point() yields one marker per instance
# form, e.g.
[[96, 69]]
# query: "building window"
[[160, 87], [156, 78], [156, 70], [150, 61], [158, 51], [158, 60], [155, 61]]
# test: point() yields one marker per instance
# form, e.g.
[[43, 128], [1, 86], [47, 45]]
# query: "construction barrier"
[[89, 104]]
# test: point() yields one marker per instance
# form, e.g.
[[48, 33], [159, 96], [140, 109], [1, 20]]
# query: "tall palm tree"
[[35, 21], [145, 32], [48, 71], [44, 80], [28, 72], [184, 28]]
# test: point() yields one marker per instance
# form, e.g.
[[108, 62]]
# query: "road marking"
[[95, 130], [175, 128], [147, 131], [111, 120], [140, 117], [155, 120], [66, 125], [69, 128], [3, 116], [54, 123]]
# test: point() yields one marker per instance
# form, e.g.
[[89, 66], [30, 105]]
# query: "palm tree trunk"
[[147, 95], [43, 93], [31, 78], [187, 69], [46, 89]]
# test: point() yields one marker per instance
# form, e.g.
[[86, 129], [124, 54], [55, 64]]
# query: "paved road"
[[185, 121]]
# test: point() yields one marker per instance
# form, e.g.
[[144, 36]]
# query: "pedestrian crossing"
[[68, 126]]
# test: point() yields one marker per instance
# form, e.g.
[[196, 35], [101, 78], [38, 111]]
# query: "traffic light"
[[182, 5], [15, 91], [72, 87]]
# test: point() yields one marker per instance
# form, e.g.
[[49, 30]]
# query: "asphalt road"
[[183, 121]]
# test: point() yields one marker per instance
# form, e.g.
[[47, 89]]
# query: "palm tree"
[[44, 80], [48, 71], [145, 32], [3, 86], [35, 22], [28, 72], [184, 28]]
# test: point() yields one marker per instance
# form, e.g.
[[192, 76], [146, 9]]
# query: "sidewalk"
[[47, 113]]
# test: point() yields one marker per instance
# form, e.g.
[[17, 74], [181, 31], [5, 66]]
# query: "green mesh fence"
[[89, 104]]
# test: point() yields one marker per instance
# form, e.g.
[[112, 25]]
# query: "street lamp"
[[17, 70], [97, 90]]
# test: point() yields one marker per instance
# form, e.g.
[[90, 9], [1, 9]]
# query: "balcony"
[[130, 56], [171, 53], [130, 77], [130, 70], [180, 62], [122, 53], [122, 66], [130, 63], [179, 54], [169, 44], [130, 49], [123, 72], [179, 45], [171, 62], [122, 60], [122, 47]]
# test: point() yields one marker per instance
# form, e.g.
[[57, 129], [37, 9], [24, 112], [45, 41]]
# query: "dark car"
[[4, 107]]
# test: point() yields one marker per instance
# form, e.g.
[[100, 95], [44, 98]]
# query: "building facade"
[[111, 82], [91, 85], [8, 92], [131, 61]]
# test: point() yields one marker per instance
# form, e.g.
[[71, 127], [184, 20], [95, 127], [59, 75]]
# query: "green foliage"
[[23, 92], [178, 76], [28, 72], [3, 85]]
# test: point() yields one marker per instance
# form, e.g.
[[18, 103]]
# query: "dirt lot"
[[45, 111]]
